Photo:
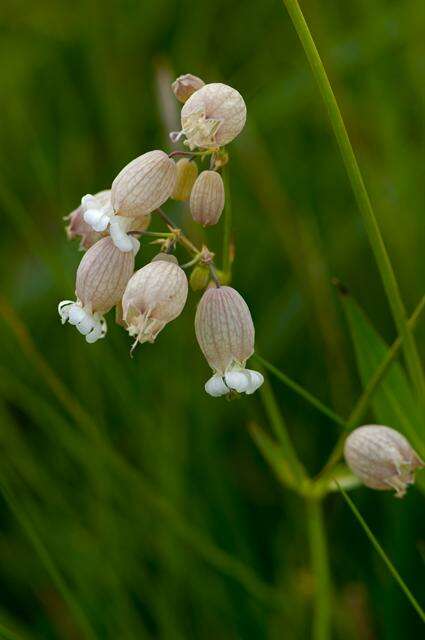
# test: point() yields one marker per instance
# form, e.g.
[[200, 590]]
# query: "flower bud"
[[382, 458], [184, 86], [144, 184], [200, 277], [225, 333], [155, 295], [212, 117], [101, 279], [207, 198], [187, 172]]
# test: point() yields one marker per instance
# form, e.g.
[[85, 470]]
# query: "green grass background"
[[134, 504]]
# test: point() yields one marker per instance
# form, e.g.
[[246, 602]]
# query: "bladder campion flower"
[[155, 295], [101, 279], [78, 228], [225, 333], [212, 117], [207, 198], [382, 458], [185, 85]]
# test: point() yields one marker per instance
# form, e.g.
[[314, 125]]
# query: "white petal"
[[256, 380], [76, 314], [63, 309], [86, 325], [238, 380], [215, 387], [120, 239], [97, 219]]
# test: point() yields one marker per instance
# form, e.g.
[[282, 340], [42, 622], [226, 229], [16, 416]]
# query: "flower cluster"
[[111, 222]]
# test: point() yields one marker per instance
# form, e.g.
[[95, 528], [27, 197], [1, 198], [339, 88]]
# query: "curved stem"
[[320, 564], [362, 197]]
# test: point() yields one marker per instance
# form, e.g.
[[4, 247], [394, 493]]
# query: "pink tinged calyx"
[[144, 184], [225, 333], [154, 296], [101, 279], [382, 458], [212, 117]]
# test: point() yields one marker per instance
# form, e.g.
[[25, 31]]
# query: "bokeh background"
[[133, 503]]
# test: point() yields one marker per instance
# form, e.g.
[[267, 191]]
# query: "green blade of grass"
[[378, 548], [215, 556], [45, 557], [362, 197], [299, 390]]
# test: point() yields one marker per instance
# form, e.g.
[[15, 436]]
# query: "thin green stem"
[[309, 397], [415, 604], [362, 197], [227, 231], [320, 564], [46, 559], [278, 426]]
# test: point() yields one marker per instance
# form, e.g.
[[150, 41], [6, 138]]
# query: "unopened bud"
[[200, 277], [144, 184], [382, 458], [207, 198], [155, 295], [212, 117], [185, 85], [225, 333], [187, 172], [102, 276]]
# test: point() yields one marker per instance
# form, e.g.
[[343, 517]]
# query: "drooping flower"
[[187, 172], [99, 217], [144, 184], [207, 198], [155, 295], [225, 333], [382, 458], [101, 278], [185, 85], [212, 117]]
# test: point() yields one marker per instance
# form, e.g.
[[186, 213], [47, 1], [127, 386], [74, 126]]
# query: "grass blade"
[[397, 577]]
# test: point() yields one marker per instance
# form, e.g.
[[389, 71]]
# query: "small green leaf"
[[393, 403], [275, 456]]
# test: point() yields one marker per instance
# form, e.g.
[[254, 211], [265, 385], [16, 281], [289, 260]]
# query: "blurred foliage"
[[135, 506]]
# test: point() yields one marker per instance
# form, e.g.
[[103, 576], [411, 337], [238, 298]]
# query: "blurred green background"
[[134, 504]]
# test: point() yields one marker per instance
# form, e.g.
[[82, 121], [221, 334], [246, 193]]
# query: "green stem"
[[362, 197], [309, 397], [415, 604], [227, 231], [278, 426], [320, 565]]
